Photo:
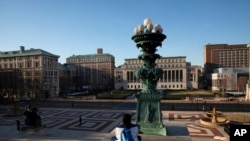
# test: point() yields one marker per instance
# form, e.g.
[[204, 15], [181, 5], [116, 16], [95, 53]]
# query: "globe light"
[[147, 21], [157, 28], [140, 28], [136, 30], [149, 28], [153, 31], [161, 30]]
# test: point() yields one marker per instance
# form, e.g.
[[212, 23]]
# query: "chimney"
[[99, 51], [21, 49]]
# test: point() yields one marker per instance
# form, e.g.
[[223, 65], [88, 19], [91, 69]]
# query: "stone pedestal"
[[148, 116]]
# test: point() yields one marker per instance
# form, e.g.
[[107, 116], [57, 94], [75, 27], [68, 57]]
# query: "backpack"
[[126, 135]]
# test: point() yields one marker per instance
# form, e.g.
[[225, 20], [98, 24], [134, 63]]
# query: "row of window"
[[39, 73], [28, 62], [85, 60], [21, 65], [161, 86], [159, 65], [234, 65], [20, 58], [157, 61]]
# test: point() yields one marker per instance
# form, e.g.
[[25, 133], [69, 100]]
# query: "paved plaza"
[[98, 125]]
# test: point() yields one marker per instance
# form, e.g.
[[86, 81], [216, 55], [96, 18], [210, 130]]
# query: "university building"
[[177, 74], [94, 71], [31, 73], [230, 79], [224, 56]]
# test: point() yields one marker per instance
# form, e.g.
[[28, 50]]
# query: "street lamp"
[[148, 116]]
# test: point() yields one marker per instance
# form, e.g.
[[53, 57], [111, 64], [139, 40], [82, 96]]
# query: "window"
[[36, 64], [28, 64]]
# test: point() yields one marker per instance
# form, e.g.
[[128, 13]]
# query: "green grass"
[[168, 94], [116, 94], [182, 94]]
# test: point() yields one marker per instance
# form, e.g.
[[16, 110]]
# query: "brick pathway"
[[99, 124]]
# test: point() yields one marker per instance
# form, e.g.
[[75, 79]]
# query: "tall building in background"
[[31, 73], [224, 56], [94, 71], [177, 74]]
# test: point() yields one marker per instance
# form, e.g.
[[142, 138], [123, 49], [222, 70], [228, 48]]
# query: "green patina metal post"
[[148, 116]]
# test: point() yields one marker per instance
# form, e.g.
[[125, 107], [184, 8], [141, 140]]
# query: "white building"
[[228, 79], [177, 74]]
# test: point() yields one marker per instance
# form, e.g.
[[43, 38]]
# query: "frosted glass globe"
[[136, 30], [147, 21], [149, 28], [157, 27], [140, 28]]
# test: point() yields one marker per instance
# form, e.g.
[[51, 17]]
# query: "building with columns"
[[176, 74], [31, 72], [194, 77]]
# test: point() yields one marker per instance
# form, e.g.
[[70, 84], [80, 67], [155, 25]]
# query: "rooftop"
[[90, 55], [23, 52]]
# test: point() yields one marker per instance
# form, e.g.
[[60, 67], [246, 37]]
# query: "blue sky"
[[67, 27]]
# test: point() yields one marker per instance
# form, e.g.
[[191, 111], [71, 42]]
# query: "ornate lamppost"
[[148, 116]]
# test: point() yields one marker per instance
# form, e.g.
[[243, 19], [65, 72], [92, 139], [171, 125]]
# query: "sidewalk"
[[98, 125]]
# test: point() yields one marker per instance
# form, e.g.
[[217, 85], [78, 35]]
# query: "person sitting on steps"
[[126, 129]]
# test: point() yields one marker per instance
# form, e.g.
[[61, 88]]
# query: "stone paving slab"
[[98, 125]]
